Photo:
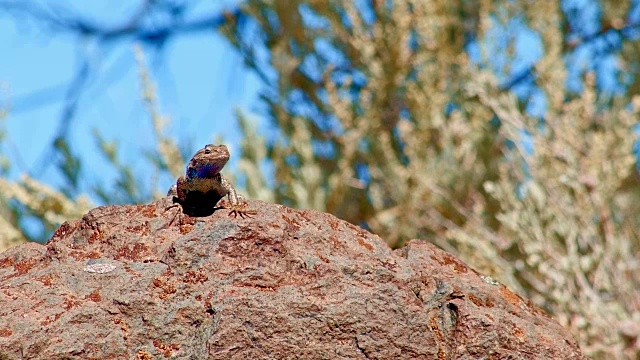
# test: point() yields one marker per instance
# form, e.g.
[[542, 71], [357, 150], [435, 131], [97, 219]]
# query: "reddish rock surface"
[[125, 282]]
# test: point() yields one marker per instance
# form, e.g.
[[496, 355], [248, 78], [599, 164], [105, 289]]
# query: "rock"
[[143, 282]]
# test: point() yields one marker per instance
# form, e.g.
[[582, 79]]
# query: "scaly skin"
[[203, 185]]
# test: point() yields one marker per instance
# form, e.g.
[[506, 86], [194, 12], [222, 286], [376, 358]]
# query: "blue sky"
[[200, 82]]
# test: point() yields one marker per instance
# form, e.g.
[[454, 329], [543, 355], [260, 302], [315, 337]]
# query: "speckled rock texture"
[[147, 282]]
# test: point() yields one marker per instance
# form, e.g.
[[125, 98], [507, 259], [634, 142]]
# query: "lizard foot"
[[178, 213], [241, 209]]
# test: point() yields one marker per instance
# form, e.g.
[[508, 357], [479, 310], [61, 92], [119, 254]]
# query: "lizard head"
[[208, 161]]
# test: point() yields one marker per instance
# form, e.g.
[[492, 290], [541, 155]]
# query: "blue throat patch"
[[204, 171]]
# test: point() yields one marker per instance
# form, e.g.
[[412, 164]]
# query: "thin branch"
[[625, 33], [135, 29]]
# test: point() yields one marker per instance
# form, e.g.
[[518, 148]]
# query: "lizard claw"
[[178, 213], [240, 209]]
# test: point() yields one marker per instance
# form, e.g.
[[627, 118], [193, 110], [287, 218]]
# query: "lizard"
[[203, 185]]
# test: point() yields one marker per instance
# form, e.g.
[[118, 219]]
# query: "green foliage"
[[69, 164], [31, 201]]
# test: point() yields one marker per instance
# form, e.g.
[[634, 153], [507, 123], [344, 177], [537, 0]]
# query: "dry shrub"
[[400, 133]]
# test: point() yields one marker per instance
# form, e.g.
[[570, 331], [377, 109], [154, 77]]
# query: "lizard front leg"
[[237, 207], [177, 191]]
